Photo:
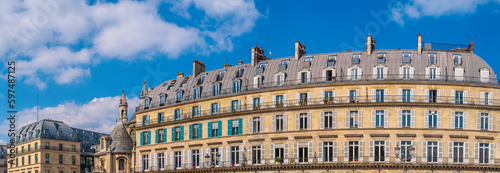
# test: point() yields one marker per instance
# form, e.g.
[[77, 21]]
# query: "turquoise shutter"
[[229, 127], [156, 134], [182, 133], [164, 135], [240, 126], [173, 134], [149, 137], [200, 131], [141, 138], [190, 132], [209, 127], [220, 128]]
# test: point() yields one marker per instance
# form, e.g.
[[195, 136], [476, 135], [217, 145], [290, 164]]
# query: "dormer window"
[[170, 87], [216, 89], [485, 74], [221, 75], [240, 73], [262, 65], [258, 81], [457, 60], [406, 58], [285, 62], [331, 60], [308, 59], [355, 59], [162, 99], [201, 79], [178, 96], [197, 93], [432, 59], [183, 84], [381, 58], [146, 103]]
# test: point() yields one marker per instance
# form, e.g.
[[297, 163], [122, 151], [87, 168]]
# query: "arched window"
[[102, 144], [121, 164], [123, 113]]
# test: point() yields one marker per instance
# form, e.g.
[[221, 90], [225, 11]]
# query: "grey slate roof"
[[471, 63], [121, 141]]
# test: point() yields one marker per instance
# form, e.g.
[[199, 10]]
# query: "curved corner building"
[[429, 109]]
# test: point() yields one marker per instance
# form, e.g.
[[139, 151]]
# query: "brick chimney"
[[257, 55], [180, 75], [471, 47], [198, 67], [226, 65], [240, 62], [300, 50], [370, 44], [419, 43]]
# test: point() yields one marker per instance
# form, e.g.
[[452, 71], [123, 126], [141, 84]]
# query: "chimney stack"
[[471, 47], [198, 67], [257, 55], [419, 43], [300, 50], [370, 44], [180, 75], [226, 65], [240, 62]]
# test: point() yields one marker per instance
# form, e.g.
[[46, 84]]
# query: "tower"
[[144, 92], [123, 108]]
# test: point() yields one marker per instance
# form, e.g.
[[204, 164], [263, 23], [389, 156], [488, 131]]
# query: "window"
[[379, 96], [215, 156], [170, 87], [73, 160], [22, 161], [284, 62], [432, 58], [159, 136], [329, 75], [303, 77], [162, 99], [160, 117], [459, 97], [379, 151], [328, 152], [459, 120], [146, 103], [353, 96], [406, 95], [47, 158], [303, 153], [406, 58], [302, 121], [234, 127], [29, 147], [237, 86], [279, 123], [379, 118], [36, 146], [405, 150], [486, 98], [303, 98], [216, 89], [280, 79], [201, 79], [46, 145], [178, 96], [483, 120], [235, 106], [177, 159], [256, 125], [241, 71], [145, 120], [433, 96], [177, 114], [432, 119], [432, 73], [380, 73], [235, 156], [354, 74], [457, 60], [279, 100], [406, 72], [195, 131], [256, 154], [145, 162], [381, 58], [195, 158], [263, 65], [432, 152], [328, 120], [121, 165], [256, 103], [177, 133], [406, 118], [195, 111], [36, 158], [145, 138], [197, 93], [258, 81], [60, 159], [484, 151], [214, 108], [221, 74], [353, 119], [215, 129], [355, 59], [353, 151], [458, 152], [484, 74], [328, 95], [308, 59]]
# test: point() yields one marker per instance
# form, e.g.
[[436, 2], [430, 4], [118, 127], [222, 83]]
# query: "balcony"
[[420, 79], [333, 163]]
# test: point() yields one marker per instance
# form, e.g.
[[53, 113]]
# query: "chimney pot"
[[419, 43], [370, 44], [257, 55], [198, 67], [300, 50], [180, 75], [240, 62]]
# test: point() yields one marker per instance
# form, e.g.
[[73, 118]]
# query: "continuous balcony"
[[421, 79]]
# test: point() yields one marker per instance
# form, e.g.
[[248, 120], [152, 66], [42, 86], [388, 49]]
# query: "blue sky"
[[81, 55]]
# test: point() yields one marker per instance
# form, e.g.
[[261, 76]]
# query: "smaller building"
[[50, 146], [3, 158]]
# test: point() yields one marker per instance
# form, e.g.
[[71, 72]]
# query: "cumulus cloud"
[[99, 114], [416, 9], [60, 40]]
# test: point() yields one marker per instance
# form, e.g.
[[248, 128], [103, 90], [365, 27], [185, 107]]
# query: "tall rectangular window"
[[177, 114], [197, 93], [177, 133], [159, 136], [279, 123], [195, 158], [216, 89], [235, 156], [353, 119], [145, 162], [484, 121], [354, 74], [459, 97], [194, 131], [353, 95], [214, 108], [328, 152], [235, 106], [379, 151], [406, 72], [235, 127], [160, 117], [432, 96], [303, 154], [177, 159], [279, 80], [145, 120], [405, 150], [303, 77], [145, 138], [379, 118], [328, 95], [256, 125], [303, 121], [215, 129], [432, 152], [458, 152], [236, 86], [406, 95], [178, 96], [256, 154], [406, 118], [279, 100], [73, 160], [329, 75], [60, 159], [328, 120], [256, 103], [432, 59], [380, 73], [195, 111], [459, 120], [433, 118], [353, 151], [214, 155], [36, 158], [380, 96], [162, 99], [432, 73], [303, 97], [161, 161], [486, 98], [484, 152]]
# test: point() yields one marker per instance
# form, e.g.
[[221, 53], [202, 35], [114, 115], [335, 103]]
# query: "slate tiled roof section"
[[121, 140]]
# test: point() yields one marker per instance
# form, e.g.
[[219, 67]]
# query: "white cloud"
[[2, 142], [98, 114], [423, 8], [47, 36]]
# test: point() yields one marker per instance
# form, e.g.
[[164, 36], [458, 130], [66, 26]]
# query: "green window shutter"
[[240, 126], [182, 133], [164, 135], [229, 127], [220, 128], [200, 131], [149, 137], [190, 132], [141, 138], [173, 134], [209, 129], [156, 134]]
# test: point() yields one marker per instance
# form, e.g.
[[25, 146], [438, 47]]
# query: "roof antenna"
[[468, 37]]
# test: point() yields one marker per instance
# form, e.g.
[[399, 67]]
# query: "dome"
[[121, 140]]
